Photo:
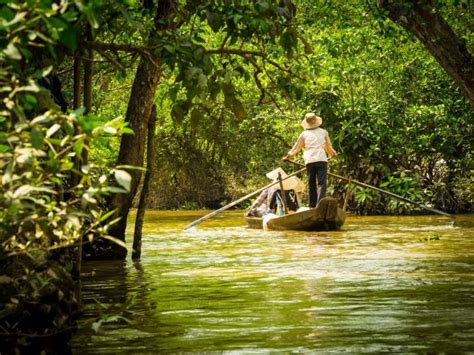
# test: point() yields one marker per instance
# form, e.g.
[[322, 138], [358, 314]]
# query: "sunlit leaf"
[[27, 189], [115, 189], [32, 87], [41, 119], [106, 215], [12, 52], [96, 326], [110, 130], [123, 178], [52, 130]]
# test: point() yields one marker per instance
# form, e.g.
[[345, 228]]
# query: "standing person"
[[317, 148]]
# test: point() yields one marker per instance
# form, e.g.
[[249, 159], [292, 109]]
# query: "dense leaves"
[[49, 202], [40, 208], [391, 110]]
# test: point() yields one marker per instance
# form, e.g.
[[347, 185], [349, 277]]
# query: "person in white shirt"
[[317, 149]]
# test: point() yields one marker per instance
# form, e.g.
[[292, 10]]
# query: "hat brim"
[[306, 125], [292, 183], [273, 175]]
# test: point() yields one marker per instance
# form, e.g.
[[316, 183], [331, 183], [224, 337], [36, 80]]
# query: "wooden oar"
[[434, 210], [209, 215]]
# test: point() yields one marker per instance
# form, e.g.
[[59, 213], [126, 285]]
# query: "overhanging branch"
[[246, 54], [100, 46]]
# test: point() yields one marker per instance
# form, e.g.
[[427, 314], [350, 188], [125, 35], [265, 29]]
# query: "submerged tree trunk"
[[421, 18], [150, 158]]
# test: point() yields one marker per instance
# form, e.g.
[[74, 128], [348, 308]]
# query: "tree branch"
[[100, 46], [447, 48], [246, 54]]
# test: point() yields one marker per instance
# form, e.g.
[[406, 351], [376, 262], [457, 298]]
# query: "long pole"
[[209, 215], [434, 210]]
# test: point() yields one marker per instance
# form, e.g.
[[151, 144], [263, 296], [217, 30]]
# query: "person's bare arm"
[[296, 148], [328, 147]]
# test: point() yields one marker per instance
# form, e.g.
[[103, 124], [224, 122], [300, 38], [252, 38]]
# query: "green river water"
[[382, 284]]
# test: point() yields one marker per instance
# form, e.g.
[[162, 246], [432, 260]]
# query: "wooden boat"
[[326, 216]]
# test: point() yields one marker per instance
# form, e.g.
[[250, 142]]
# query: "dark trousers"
[[317, 171]]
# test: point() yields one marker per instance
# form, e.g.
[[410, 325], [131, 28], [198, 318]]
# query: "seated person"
[[261, 206], [270, 199]]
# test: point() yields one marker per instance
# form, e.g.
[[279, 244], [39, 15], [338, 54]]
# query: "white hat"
[[288, 184], [311, 121]]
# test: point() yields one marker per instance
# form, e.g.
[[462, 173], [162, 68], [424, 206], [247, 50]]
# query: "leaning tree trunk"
[[421, 18], [138, 112], [132, 145]]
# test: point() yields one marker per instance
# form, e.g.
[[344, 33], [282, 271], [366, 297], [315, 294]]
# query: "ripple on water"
[[395, 284]]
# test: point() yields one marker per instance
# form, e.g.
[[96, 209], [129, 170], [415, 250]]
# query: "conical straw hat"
[[288, 184]]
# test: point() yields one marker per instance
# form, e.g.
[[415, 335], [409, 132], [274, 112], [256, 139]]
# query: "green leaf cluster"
[[40, 207]]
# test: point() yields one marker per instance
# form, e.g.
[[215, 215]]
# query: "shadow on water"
[[398, 284]]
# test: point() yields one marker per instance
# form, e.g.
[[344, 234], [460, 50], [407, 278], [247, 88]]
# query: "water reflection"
[[398, 284]]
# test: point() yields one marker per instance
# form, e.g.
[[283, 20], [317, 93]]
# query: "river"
[[381, 284]]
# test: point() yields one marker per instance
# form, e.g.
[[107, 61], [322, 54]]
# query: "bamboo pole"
[[434, 210]]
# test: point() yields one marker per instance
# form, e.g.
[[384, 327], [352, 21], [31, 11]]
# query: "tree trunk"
[[150, 159], [88, 76], [138, 112], [132, 145], [88, 72], [76, 104], [421, 18], [77, 81]]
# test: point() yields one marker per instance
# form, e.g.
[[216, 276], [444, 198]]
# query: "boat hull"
[[327, 216]]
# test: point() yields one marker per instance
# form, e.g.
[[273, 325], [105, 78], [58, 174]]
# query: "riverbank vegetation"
[[230, 83]]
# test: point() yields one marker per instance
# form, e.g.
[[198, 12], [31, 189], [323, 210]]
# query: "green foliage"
[[388, 106], [368, 199], [31, 25], [214, 48], [239, 76], [40, 207], [404, 186], [209, 59], [49, 199]]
